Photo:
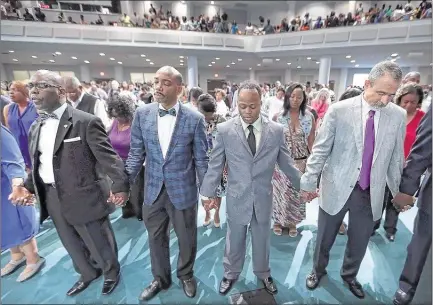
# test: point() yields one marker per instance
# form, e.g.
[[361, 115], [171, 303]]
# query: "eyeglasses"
[[41, 85]]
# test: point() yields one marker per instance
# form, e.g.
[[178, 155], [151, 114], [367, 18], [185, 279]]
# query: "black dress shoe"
[[356, 288], [313, 280], [189, 287], [109, 285], [402, 298], [151, 291], [77, 288], [270, 285], [226, 285], [391, 237]]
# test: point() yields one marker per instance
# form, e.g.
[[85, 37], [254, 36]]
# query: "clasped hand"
[[209, 204], [119, 199], [403, 202], [21, 196]]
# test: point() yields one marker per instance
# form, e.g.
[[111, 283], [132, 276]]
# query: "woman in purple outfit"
[[19, 116], [121, 109]]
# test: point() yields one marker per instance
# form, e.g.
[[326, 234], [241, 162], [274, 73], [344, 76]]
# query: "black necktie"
[[45, 116], [163, 112], [252, 139]]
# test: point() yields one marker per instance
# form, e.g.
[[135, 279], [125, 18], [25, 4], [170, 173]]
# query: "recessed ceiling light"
[[52, 60], [309, 58], [349, 56], [217, 58], [87, 62], [216, 75], [142, 55], [258, 65], [352, 61], [102, 54], [101, 73], [228, 66], [11, 51], [394, 59], [250, 68], [120, 63], [147, 59], [356, 66], [209, 65], [58, 53], [181, 64], [15, 59], [239, 59], [431, 64], [183, 2], [289, 63], [277, 59], [73, 57], [233, 63], [394, 55], [317, 62], [212, 2], [181, 60], [213, 62], [111, 58], [151, 63], [181, 57], [33, 56], [299, 67]]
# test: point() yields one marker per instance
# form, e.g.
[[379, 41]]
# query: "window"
[[359, 79], [21, 75]]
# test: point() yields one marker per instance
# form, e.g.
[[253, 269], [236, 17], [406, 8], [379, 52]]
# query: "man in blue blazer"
[[171, 139]]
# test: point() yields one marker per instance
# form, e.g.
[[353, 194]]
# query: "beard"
[[378, 105]]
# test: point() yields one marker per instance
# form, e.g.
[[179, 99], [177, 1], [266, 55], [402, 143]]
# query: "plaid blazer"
[[185, 162]]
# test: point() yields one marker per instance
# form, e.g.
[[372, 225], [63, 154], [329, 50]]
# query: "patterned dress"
[[287, 207], [211, 131]]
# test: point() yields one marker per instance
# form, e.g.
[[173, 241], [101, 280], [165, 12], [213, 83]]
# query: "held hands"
[[21, 196], [403, 202], [209, 204], [119, 199]]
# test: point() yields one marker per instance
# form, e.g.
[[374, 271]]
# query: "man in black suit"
[[72, 156], [419, 162]]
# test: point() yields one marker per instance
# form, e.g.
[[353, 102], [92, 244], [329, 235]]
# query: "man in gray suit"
[[358, 150], [250, 145]]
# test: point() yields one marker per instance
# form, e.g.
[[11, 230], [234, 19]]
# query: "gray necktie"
[[252, 139]]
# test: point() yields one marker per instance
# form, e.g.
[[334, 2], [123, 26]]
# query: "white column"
[[192, 71], [252, 75], [342, 83], [118, 74], [324, 70], [3, 76], [85, 73], [287, 76]]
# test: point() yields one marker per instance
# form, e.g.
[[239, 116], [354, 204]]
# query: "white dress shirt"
[[47, 138], [222, 108], [257, 130], [165, 128], [100, 111]]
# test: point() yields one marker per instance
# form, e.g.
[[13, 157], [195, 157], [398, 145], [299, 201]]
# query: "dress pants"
[[417, 252], [157, 218], [361, 226], [235, 248], [87, 244], [391, 215], [136, 197]]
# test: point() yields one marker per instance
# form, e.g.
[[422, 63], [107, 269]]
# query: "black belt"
[[301, 158]]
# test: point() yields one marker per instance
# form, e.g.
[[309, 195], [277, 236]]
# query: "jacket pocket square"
[[72, 140]]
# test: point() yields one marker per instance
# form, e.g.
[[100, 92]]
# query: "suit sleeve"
[[396, 164], [137, 152], [28, 182], [420, 157], [321, 149], [215, 169], [285, 162], [111, 164], [200, 150]]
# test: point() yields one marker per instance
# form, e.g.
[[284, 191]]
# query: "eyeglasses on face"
[[41, 85]]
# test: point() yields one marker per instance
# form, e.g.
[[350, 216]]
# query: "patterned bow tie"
[[45, 116], [163, 112]]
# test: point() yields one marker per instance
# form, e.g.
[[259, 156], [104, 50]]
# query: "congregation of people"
[[76, 152]]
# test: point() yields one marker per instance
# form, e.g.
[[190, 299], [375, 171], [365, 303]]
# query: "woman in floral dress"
[[208, 107], [300, 126]]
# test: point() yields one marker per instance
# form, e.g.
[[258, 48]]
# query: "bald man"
[[412, 77], [171, 138]]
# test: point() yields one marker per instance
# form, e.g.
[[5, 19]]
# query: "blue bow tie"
[[163, 112]]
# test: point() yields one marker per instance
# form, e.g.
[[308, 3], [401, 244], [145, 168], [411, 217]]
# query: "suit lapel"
[[64, 126], [178, 127], [357, 128], [153, 121], [35, 141], [264, 136], [381, 132], [241, 134]]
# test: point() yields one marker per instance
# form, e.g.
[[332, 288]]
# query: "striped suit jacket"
[[185, 162]]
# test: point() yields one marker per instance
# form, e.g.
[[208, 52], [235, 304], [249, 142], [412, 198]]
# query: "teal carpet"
[[291, 261]]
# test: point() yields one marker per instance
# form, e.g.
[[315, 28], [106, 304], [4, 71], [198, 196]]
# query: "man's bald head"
[[172, 72], [47, 76], [47, 90], [412, 77], [73, 88], [168, 86]]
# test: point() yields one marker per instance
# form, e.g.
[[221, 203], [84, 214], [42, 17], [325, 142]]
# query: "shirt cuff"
[[204, 197]]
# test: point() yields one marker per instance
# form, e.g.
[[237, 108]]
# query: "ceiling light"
[[142, 55], [111, 58], [258, 65], [349, 56], [101, 73], [356, 66], [87, 62], [277, 59], [181, 60], [11, 51], [52, 60], [317, 62], [58, 53], [394, 55], [250, 68], [33, 56], [431, 64], [394, 59], [233, 63], [209, 65], [213, 62], [120, 63], [181, 57], [289, 63], [239, 59], [151, 63], [73, 57], [15, 59], [217, 58], [216, 75], [181, 64], [299, 67], [228, 66], [212, 2], [352, 61], [309, 58], [147, 59], [183, 2], [102, 54]]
